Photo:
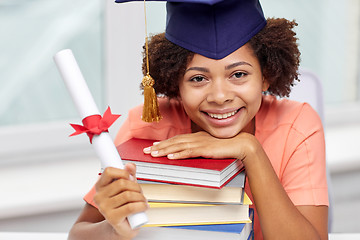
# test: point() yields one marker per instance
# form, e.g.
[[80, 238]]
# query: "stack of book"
[[213, 173], [199, 194]]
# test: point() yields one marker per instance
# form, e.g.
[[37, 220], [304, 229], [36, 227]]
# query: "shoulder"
[[299, 116], [174, 121], [292, 135]]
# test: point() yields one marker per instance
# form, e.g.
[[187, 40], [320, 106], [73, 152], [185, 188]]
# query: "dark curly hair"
[[275, 46], [277, 50]]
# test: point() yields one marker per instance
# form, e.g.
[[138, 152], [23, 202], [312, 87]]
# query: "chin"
[[224, 133]]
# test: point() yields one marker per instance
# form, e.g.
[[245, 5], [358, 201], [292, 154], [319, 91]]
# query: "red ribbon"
[[95, 124]]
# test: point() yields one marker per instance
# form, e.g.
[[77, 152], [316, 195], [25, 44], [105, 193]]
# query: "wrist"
[[252, 150]]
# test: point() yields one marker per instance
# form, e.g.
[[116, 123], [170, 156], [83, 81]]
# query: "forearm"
[[279, 218], [89, 230]]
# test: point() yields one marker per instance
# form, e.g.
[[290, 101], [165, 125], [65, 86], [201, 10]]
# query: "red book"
[[213, 173]]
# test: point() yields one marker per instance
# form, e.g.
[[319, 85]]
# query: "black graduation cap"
[[212, 28]]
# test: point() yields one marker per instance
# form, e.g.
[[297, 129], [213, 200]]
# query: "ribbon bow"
[[95, 124]]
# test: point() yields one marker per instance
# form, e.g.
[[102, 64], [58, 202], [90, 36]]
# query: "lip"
[[222, 111], [224, 121]]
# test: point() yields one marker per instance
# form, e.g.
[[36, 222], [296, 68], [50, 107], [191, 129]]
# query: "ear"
[[265, 85]]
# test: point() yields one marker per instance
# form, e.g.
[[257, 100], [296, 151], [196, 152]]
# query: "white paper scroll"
[[85, 104]]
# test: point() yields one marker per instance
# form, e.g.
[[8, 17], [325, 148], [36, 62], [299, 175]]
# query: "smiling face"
[[223, 96]]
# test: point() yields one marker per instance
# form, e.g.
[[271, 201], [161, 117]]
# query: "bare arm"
[[279, 220], [91, 225]]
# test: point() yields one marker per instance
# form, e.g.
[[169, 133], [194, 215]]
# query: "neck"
[[250, 128], [195, 128]]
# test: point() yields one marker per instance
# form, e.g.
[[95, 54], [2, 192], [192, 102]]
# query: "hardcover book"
[[239, 230], [231, 193], [214, 173], [176, 214]]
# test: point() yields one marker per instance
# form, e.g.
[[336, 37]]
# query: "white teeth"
[[222, 116]]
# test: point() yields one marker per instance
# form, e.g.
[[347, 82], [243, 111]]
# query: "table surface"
[[154, 233]]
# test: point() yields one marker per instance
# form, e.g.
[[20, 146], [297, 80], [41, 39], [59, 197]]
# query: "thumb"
[[131, 168]]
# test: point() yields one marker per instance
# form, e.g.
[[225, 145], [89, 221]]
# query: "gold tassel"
[[151, 111]]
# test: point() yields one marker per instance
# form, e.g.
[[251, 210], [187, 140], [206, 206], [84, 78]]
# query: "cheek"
[[190, 102], [256, 99], [256, 102], [189, 106], [251, 94], [188, 98], [252, 97]]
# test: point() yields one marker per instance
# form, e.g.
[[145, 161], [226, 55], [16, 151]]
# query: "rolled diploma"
[[86, 106]]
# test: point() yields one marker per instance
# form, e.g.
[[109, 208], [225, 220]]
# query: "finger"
[[110, 174], [154, 147], [165, 143], [117, 218], [130, 209], [179, 150], [106, 203], [126, 198], [186, 153], [178, 144], [131, 168], [204, 149], [119, 186]]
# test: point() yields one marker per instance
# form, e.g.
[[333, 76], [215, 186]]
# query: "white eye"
[[197, 79], [239, 74]]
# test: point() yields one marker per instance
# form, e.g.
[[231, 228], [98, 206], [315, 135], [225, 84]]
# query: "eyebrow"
[[237, 64], [201, 69]]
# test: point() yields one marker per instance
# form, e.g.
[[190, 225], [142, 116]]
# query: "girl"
[[227, 108]]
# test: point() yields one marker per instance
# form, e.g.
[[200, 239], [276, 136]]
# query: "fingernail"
[[147, 150], [155, 153], [170, 156], [132, 178], [156, 143]]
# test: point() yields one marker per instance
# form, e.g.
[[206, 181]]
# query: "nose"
[[220, 92]]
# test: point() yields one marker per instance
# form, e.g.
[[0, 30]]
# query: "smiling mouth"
[[223, 115]]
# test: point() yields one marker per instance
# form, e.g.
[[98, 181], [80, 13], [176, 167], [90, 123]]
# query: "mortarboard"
[[212, 28]]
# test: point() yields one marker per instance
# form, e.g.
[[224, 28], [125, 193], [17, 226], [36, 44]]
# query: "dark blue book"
[[231, 227], [244, 230]]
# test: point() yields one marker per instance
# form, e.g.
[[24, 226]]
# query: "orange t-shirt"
[[290, 132]]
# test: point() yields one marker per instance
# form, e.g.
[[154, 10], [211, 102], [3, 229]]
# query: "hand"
[[118, 195], [202, 144]]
